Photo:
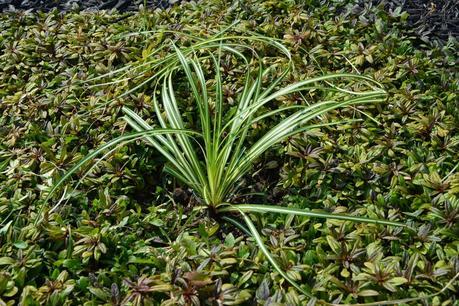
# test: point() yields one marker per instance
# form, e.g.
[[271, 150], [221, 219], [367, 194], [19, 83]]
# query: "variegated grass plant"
[[214, 158]]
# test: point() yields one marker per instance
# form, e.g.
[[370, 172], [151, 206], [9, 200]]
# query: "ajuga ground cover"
[[121, 231]]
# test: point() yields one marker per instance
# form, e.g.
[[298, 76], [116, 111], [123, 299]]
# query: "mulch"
[[430, 18], [437, 19]]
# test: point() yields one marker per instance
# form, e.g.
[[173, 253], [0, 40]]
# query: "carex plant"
[[214, 156]]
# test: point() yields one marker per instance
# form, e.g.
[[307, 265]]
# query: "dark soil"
[[430, 18]]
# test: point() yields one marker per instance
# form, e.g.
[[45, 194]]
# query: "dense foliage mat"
[[129, 234]]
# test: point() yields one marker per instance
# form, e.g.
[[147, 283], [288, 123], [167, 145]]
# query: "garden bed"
[[130, 233]]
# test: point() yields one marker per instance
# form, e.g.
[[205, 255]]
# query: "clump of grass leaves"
[[213, 158]]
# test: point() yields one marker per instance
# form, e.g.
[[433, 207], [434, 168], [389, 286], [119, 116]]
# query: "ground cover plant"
[[117, 242], [214, 172]]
